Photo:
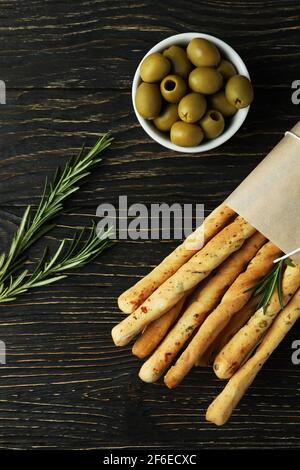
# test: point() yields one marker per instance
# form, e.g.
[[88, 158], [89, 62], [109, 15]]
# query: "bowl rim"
[[236, 121]]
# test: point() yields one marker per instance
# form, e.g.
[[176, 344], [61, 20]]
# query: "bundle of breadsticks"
[[197, 308]]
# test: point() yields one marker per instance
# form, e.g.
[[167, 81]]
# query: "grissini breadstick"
[[234, 299], [215, 252], [222, 407], [234, 353], [239, 320], [131, 299], [202, 302], [156, 331]]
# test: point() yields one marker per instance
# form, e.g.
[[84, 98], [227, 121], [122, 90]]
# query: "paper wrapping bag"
[[269, 198]]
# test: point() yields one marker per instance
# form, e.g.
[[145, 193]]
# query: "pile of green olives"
[[189, 93]]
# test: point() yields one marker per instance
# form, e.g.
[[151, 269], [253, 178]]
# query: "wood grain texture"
[[68, 70]]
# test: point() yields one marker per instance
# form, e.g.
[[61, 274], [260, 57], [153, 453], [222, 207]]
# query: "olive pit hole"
[[214, 116], [170, 85]]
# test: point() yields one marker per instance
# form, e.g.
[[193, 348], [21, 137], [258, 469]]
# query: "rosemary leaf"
[[65, 182], [270, 283], [53, 269]]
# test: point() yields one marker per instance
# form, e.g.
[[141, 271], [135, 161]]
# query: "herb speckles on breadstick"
[[202, 302], [236, 350], [131, 299], [156, 331], [222, 407], [217, 250], [234, 299]]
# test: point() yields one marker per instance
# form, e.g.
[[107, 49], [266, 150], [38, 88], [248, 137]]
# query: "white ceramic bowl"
[[233, 124]]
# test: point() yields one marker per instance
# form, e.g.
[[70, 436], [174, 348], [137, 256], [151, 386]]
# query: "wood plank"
[[68, 70], [99, 43], [40, 129]]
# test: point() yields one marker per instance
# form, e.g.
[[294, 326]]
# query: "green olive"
[[192, 107], [186, 135], [226, 69], [220, 103], [239, 91], [148, 100], [203, 53], [205, 80], [154, 68], [173, 88], [212, 124], [167, 117], [180, 64]]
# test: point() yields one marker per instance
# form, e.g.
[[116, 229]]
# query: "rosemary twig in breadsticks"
[[234, 353], [234, 299], [239, 320], [202, 302], [131, 299], [222, 407], [215, 252], [156, 331]]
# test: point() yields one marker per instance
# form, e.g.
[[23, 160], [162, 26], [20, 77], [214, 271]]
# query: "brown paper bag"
[[269, 198]]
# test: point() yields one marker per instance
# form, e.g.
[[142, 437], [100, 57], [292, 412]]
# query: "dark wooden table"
[[68, 67]]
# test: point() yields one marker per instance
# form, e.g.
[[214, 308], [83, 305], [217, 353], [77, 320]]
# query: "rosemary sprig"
[[53, 269], [32, 227], [270, 283]]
